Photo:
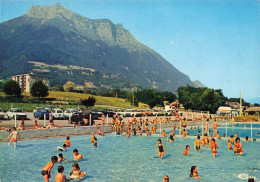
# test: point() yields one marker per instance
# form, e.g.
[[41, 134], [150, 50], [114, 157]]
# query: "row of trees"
[[192, 98]]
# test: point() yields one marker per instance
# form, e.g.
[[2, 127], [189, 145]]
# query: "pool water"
[[231, 130], [118, 158]]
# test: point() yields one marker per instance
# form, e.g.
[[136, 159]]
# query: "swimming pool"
[[231, 130], [128, 159]]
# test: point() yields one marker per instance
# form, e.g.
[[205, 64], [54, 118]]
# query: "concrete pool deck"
[[82, 130]]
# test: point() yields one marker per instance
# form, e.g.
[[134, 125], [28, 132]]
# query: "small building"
[[27, 80], [253, 110]]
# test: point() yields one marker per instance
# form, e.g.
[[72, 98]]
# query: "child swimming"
[[61, 158], [161, 147], [217, 136], [184, 134], [60, 177], [13, 136], [77, 156], [170, 137], [238, 147], [247, 140], [197, 143], [194, 172], [232, 138], [46, 171], [67, 142], [165, 178], [213, 146], [76, 172], [163, 133], [229, 145], [63, 148], [205, 140], [95, 142], [186, 150]]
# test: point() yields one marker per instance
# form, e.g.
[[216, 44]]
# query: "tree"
[[88, 102], [86, 90], [11, 87], [39, 89], [69, 86], [59, 87]]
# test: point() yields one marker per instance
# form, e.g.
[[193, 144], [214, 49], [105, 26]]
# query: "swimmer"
[[186, 150], [170, 137], [205, 140], [229, 145], [197, 143], [46, 171], [148, 133], [99, 132], [61, 158], [217, 136], [77, 156], [194, 172], [247, 140], [60, 177], [103, 117], [166, 178], [184, 134], [161, 147], [232, 138], [76, 172], [236, 135], [13, 136], [238, 147], [214, 146], [134, 132], [95, 142], [67, 142], [215, 127], [63, 148], [163, 133]]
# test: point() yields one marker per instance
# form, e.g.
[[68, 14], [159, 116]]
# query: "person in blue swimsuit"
[[170, 137], [161, 148]]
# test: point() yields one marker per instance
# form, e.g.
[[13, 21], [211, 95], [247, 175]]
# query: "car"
[[96, 112], [2, 115], [49, 108], [39, 114], [69, 112], [37, 108], [57, 114], [108, 112], [11, 113]]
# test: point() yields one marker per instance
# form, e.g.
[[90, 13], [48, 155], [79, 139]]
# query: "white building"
[[26, 80]]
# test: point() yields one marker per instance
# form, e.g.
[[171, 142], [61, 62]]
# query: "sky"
[[214, 41]]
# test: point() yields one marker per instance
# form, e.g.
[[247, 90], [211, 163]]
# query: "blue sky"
[[214, 41]]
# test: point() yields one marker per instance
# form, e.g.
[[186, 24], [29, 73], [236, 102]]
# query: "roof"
[[253, 109]]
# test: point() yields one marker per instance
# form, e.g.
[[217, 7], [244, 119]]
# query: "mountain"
[[54, 36], [197, 83]]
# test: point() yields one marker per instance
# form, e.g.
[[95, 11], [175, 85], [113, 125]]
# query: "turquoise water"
[[231, 130], [118, 158]]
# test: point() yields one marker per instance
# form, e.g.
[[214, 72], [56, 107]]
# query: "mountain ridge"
[[55, 35]]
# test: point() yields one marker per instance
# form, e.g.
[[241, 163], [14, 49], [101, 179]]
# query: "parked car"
[[49, 108], [77, 117], [57, 113], [108, 112], [16, 111], [37, 108], [2, 115], [39, 114], [69, 112], [96, 112]]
